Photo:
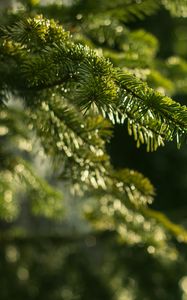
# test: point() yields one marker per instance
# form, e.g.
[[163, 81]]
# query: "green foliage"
[[62, 90], [66, 97], [86, 268], [177, 8]]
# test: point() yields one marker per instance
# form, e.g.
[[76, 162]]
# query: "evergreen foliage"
[[63, 86]]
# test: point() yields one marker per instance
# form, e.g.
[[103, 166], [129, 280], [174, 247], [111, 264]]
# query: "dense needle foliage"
[[69, 72]]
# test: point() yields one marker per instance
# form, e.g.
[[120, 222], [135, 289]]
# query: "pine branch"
[[94, 82], [72, 140], [75, 140]]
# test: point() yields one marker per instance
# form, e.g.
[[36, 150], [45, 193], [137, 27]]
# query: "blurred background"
[[52, 261]]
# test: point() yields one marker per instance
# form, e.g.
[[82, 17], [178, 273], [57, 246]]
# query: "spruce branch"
[[94, 82], [60, 81]]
